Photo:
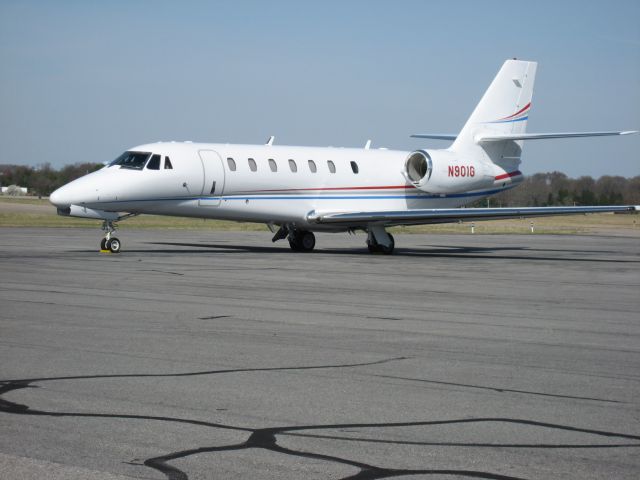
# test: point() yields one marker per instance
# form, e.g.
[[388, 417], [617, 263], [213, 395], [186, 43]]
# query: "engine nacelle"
[[443, 172]]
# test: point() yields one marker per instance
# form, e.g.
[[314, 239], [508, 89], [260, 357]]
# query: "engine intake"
[[418, 166]]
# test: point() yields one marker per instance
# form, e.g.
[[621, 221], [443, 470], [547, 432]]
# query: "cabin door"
[[213, 175]]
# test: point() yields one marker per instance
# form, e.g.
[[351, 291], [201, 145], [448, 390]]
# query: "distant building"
[[14, 190]]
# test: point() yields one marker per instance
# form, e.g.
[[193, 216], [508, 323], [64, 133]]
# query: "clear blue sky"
[[85, 80]]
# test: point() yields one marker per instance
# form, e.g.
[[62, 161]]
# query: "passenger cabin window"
[[312, 166], [154, 163], [167, 164], [232, 164], [293, 166], [354, 167], [273, 165], [332, 166], [132, 160], [252, 165]]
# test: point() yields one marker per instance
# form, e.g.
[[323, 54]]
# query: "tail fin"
[[503, 109]]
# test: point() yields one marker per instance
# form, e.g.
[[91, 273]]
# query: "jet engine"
[[443, 172]]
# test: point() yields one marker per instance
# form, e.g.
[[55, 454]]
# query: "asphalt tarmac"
[[221, 355]]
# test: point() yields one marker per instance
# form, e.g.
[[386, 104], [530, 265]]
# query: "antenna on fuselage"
[[367, 145], [270, 141]]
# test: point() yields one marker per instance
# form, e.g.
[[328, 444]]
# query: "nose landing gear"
[[109, 243]]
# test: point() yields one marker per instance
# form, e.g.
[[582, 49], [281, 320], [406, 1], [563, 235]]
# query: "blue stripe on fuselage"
[[314, 197]]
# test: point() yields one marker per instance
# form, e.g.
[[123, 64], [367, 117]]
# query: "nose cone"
[[81, 191], [60, 197]]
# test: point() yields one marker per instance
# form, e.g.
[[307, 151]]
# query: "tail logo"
[[519, 116]]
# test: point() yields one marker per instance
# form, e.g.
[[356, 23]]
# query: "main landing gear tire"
[[383, 249], [302, 241], [103, 244], [113, 245]]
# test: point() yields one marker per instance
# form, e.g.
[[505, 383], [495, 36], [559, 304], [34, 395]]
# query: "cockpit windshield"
[[133, 160]]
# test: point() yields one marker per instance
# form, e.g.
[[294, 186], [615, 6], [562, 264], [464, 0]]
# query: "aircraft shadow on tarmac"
[[469, 252], [267, 438]]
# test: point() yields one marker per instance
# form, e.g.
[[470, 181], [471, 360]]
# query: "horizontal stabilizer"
[[452, 215], [435, 136], [499, 137]]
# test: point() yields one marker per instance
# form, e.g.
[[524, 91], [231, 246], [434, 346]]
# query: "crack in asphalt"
[[267, 438], [498, 389], [205, 372]]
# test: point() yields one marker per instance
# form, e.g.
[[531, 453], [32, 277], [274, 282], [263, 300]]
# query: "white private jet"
[[300, 190]]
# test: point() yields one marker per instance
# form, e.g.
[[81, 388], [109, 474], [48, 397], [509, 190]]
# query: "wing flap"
[[452, 215]]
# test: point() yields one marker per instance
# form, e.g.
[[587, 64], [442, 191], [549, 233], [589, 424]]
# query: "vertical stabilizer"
[[504, 108]]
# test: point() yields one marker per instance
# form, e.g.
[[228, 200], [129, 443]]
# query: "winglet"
[[270, 141]]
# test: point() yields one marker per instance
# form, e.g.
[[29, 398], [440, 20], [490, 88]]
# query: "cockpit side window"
[[154, 163], [167, 164], [132, 160]]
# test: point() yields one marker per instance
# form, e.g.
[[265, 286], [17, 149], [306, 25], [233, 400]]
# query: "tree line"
[[555, 188], [541, 189], [41, 181]]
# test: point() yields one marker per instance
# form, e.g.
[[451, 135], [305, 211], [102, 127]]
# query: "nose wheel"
[[113, 245], [109, 243]]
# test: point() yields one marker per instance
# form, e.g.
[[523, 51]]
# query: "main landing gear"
[[379, 241], [302, 241], [110, 243], [299, 240]]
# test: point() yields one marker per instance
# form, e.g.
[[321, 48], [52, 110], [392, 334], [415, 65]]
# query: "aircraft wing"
[[452, 215]]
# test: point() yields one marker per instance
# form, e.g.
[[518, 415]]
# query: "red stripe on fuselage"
[[508, 175]]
